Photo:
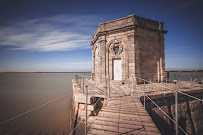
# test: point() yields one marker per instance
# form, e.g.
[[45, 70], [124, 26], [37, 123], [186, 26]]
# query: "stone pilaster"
[[103, 59]]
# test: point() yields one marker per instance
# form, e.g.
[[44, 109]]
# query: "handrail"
[[172, 89], [94, 86], [80, 79], [190, 96], [162, 111]]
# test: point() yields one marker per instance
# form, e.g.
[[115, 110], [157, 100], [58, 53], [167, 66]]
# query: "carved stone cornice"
[[127, 23]]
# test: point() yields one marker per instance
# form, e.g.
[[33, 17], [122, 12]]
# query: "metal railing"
[[86, 88], [83, 81], [80, 80], [187, 80], [181, 83], [176, 104], [144, 93]]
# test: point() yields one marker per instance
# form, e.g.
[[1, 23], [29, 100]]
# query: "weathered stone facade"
[[137, 42]]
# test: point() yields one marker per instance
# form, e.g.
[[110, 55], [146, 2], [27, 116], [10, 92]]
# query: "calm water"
[[20, 92]]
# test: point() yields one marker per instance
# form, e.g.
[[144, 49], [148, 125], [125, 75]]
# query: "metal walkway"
[[123, 115]]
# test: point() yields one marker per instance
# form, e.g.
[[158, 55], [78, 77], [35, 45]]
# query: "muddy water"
[[20, 92]]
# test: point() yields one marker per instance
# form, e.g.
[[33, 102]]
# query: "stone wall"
[[151, 54], [190, 113]]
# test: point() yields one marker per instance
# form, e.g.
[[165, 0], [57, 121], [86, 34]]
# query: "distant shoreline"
[[185, 71], [45, 72], [91, 72]]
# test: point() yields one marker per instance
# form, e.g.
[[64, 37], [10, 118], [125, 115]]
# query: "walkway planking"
[[121, 116]]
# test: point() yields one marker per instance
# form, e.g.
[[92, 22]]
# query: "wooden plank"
[[123, 115], [101, 132]]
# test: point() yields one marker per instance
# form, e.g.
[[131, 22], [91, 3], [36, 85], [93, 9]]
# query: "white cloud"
[[56, 33]]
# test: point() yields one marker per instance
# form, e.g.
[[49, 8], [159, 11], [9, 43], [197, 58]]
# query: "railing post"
[[86, 111], [176, 110], [144, 93], [165, 85], [175, 76], [150, 84], [191, 81], [132, 85], [136, 87], [76, 79], [179, 82], [83, 88]]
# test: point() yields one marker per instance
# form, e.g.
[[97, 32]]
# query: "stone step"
[[81, 98], [89, 107], [83, 113]]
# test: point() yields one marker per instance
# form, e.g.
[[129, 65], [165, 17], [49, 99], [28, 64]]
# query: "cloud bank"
[[55, 33]]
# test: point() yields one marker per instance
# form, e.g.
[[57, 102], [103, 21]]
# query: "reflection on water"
[[20, 92]]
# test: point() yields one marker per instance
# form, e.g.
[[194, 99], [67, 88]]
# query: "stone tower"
[[126, 47]]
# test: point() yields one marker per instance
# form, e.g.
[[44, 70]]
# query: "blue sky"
[[55, 35]]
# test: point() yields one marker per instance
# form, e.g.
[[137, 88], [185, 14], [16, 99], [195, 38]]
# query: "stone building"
[[126, 47]]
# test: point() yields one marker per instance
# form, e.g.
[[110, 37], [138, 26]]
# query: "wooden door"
[[117, 69]]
